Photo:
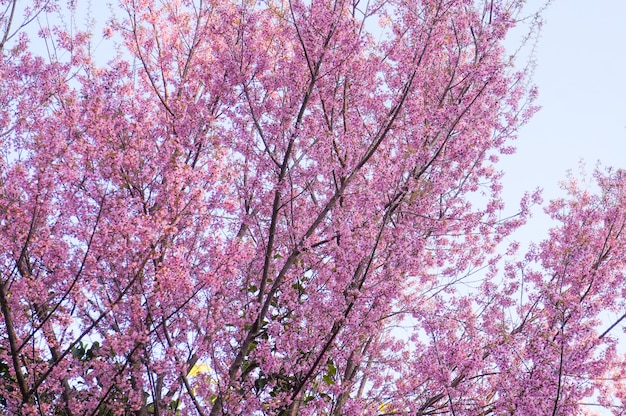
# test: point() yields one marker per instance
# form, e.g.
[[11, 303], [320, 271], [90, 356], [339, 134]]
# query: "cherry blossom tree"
[[289, 208]]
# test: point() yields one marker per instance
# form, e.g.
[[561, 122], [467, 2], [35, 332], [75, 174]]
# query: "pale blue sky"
[[581, 76]]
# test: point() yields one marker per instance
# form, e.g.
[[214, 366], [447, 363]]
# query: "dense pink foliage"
[[278, 207]]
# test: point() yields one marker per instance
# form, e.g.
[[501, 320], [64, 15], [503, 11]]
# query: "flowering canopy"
[[273, 207]]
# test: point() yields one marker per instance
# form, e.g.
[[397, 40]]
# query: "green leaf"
[[298, 286], [173, 405], [332, 370]]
